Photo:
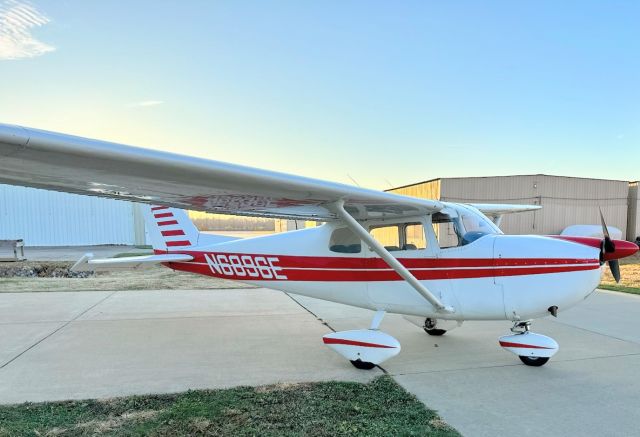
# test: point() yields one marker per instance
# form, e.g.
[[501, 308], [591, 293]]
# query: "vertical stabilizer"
[[169, 228]]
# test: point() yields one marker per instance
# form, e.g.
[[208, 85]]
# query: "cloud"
[[145, 103], [17, 20]]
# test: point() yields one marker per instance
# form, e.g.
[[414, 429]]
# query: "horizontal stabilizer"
[[87, 263], [494, 209]]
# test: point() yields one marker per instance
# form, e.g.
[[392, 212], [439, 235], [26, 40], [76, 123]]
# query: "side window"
[[447, 231], [388, 236], [414, 237], [344, 241]]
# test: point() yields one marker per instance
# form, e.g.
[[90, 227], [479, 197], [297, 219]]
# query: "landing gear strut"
[[532, 349]]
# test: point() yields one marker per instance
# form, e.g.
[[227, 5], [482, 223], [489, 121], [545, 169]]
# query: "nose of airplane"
[[623, 249]]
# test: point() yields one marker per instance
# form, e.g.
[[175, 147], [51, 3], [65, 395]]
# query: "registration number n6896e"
[[245, 266]]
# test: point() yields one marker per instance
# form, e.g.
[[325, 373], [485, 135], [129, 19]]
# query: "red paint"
[[168, 222], [329, 340], [163, 215], [387, 274], [178, 243], [521, 345], [172, 233], [623, 248], [338, 262], [157, 208], [352, 269]]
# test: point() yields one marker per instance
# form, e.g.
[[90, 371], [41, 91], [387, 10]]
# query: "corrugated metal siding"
[[565, 201], [48, 218], [424, 190], [633, 214]]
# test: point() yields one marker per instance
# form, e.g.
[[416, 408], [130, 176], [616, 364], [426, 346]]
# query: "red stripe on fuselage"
[[387, 274], [158, 208], [336, 269], [335, 262]]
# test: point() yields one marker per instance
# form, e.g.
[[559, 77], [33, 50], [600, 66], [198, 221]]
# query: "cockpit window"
[[344, 241], [447, 230], [402, 236], [460, 228], [414, 237], [388, 236]]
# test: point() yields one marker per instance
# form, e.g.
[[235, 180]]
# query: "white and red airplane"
[[437, 262]]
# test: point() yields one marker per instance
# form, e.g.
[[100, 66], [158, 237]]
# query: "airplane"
[[436, 263]]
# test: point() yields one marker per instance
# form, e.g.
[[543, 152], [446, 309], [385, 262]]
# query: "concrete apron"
[[101, 344], [76, 345], [591, 387]]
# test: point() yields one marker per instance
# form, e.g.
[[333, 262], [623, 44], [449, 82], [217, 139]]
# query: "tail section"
[[171, 229]]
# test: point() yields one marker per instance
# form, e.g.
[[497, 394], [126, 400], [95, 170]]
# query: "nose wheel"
[[532, 349], [533, 361], [363, 365]]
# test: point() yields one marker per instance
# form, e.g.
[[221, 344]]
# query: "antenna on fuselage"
[[353, 180]]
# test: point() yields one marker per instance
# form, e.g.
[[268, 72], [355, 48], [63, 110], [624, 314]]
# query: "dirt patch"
[[113, 422], [629, 277], [40, 270]]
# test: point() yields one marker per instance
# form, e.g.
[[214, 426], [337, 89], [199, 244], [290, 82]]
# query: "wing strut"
[[378, 248]]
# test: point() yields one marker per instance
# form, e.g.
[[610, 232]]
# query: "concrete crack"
[[56, 330]]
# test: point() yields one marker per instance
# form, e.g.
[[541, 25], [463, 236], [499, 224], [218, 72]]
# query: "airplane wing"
[[53, 161], [495, 211]]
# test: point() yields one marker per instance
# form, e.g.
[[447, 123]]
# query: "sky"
[[381, 93]]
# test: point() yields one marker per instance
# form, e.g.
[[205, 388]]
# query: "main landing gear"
[[532, 349], [364, 348], [430, 327]]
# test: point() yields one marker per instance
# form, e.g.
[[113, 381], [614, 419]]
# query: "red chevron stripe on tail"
[[170, 228]]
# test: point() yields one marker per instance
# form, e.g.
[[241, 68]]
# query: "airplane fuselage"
[[496, 277]]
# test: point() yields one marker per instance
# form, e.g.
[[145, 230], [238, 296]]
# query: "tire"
[[430, 327], [435, 331], [363, 365], [533, 361]]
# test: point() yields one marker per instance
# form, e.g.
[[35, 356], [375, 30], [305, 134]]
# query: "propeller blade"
[[609, 245], [605, 231], [614, 266]]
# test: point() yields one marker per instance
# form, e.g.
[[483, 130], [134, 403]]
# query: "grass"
[[621, 288], [629, 273], [378, 408]]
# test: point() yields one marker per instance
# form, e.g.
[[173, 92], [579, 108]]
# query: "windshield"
[[474, 221], [461, 226]]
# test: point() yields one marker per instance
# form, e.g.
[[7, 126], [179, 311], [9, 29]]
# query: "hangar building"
[[49, 218], [633, 213], [565, 200]]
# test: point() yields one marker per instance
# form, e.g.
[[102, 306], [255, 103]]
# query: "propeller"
[[608, 246]]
